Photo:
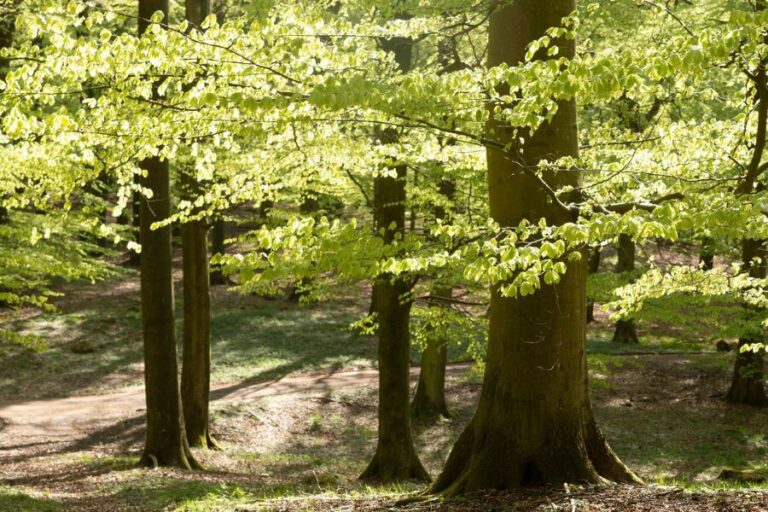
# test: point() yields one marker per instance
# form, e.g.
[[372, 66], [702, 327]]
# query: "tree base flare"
[[493, 462], [626, 333], [395, 469]]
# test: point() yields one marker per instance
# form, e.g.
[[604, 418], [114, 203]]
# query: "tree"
[[534, 423], [625, 327], [166, 440], [196, 365], [747, 384], [593, 268], [429, 400], [395, 458], [218, 237]]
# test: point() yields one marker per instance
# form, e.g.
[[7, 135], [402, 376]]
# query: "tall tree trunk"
[[534, 422], [625, 328], [395, 458], [134, 257], [748, 382], [166, 441], [219, 235], [196, 367], [429, 401], [593, 268]]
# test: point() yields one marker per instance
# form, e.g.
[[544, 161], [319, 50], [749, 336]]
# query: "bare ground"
[[297, 444]]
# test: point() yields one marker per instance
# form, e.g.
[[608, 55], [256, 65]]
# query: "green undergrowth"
[[15, 500]]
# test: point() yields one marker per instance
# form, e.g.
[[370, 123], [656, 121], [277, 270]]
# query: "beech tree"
[[395, 458], [166, 440], [625, 331], [534, 423], [196, 365]]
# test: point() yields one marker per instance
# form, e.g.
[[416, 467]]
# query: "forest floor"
[[294, 406]]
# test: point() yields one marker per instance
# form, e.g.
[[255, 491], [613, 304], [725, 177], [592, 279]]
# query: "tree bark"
[[219, 235], [707, 254], [748, 382], [395, 458], [534, 422], [166, 441], [429, 401], [196, 368], [594, 267], [625, 328]]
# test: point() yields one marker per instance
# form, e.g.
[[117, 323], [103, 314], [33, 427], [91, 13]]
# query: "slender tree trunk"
[[166, 441], [625, 328], [196, 368], [748, 382], [395, 458], [594, 267], [534, 423], [429, 401], [219, 235], [707, 254], [134, 258]]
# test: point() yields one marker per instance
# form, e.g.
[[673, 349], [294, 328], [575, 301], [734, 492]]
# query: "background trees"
[[364, 126]]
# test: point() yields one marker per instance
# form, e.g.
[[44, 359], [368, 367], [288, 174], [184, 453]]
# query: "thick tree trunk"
[[219, 235], [196, 369], [625, 328], [429, 401], [594, 267], [748, 382], [166, 441], [534, 422]]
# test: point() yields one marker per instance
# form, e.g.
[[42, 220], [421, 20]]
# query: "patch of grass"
[[15, 500]]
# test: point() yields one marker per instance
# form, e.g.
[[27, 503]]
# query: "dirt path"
[[68, 419]]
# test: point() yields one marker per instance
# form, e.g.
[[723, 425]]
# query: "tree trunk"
[[748, 382], [395, 458], [594, 268], [429, 400], [625, 328], [707, 254], [196, 369], [534, 423], [166, 441], [219, 234]]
